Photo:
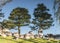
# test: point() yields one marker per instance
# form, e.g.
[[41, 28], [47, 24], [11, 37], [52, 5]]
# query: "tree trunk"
[[19, 31], [2, 29], [40, 30], [40, 33]]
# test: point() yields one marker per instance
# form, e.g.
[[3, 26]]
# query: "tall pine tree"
[[20, 17], [42, 19]]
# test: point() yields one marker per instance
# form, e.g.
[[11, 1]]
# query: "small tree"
[[7, 24], [20, 17], [42, 19]]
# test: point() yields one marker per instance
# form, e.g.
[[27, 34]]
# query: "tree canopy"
[[42, 19], [20, 17]]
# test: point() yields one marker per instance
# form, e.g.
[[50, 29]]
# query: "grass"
[[10, 40]]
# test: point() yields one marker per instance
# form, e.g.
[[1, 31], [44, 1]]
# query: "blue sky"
[[30, 5]]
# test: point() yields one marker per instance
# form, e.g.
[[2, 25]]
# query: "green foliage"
[[42, 19], [20, 17], [7, 24]]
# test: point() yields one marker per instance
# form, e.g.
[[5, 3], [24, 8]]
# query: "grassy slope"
[[10, 40]]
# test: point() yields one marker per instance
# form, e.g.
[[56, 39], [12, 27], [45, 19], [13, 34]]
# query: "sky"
[[30, 5]]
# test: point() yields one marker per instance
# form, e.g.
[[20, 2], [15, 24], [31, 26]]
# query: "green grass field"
[[10, 40]]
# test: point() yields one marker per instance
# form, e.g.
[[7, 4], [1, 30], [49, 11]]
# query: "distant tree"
[[42, 19], [20, 17], [7, 24]]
